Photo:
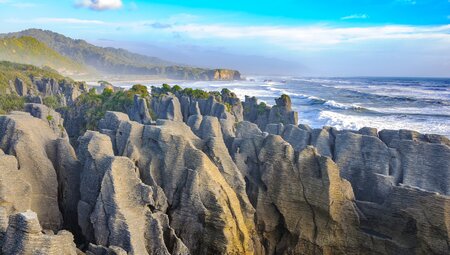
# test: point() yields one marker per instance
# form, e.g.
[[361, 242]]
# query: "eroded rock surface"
[[199, 180]]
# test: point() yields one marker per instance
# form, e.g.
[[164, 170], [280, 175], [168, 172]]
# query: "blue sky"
[[309, 38]]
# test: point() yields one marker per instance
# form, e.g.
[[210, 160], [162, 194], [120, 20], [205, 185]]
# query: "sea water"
[[421, 104]]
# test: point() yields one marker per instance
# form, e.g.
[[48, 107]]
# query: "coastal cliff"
[[189, 172]]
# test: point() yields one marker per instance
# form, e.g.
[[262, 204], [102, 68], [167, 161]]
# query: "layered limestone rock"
[[53, 118], [116, 209], [139, 111], [302, 205], [170, 156], [24, 236], [217, 186], [122, 215], [15, 192], [263, 115], [66, 91], [167, 107], [33, 143]]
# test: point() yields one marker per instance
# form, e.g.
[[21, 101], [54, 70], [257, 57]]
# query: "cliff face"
[[202, 180], [224, 75]]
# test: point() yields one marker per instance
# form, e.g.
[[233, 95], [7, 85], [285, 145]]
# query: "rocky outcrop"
[[65, 91], [217, 186], [33, 143], [167, 107], [54, 119], [24, 236], [116, 209], [139, 111], [223, 75], [262, 115], [386, 217], [170, 156]]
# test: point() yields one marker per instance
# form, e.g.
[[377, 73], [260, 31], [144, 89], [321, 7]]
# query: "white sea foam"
[[355, 122], [336, 105]]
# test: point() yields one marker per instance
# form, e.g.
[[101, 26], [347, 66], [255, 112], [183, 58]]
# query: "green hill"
[[28, 50], [119, 61], [27, 73]]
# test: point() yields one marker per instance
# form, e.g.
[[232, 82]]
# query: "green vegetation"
[[94, 106], [52, 102], [139, 89], [28, 50], [176, 88], [229, 107], [196, 93], [262, 108], [10, 71], [10, 103], [226, 91], [49, 118]]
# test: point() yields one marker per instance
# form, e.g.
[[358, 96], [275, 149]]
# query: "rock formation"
[[24, 236], [213, 175]]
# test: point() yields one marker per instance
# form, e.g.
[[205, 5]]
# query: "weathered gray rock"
[[139, 111], [21, 87], [24, 236], [94, 152], [48, 115], [167, 107], [302, 207], [364, 161], [122, 215], [298, 138], [169, 156], [323, 140], [247, 129], [424, 165], [282, 111], [15, 191], [32, 142]]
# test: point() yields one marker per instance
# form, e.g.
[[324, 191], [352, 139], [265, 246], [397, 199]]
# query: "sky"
[[283, 37]]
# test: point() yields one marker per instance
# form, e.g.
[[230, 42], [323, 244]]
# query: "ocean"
[[421, 104]]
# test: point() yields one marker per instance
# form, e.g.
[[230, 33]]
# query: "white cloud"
[[100, 5], [307, 37], [356, 16], [311, 36]]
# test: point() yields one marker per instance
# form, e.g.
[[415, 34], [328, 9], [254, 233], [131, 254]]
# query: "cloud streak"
[[355, 16], [100, 5], [291, 37]]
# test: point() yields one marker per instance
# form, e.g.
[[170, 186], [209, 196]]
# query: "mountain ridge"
[[108, 60], [29, 50]]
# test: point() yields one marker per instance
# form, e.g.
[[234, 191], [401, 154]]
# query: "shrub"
[[262, 108], [166, 88], [51, 101], [49, 118], [226, 91], [10, 103], [139, 89], [176, 88], [107, 92]]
